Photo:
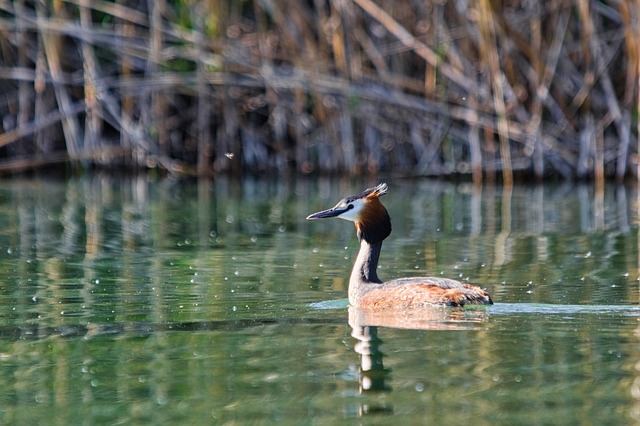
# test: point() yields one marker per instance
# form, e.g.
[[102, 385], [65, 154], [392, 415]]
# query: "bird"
[[366, 290]]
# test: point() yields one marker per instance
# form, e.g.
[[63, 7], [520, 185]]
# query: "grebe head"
[[365, 209]]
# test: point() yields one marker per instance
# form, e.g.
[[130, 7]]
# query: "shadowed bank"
[[485, 89]]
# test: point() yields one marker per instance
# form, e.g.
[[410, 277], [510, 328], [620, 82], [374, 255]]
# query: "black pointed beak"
[[332, 212]]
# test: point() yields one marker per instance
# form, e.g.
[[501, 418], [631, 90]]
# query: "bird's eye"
[[350, 206]]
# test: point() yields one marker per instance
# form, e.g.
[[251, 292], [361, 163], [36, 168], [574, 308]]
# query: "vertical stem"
[[24, 92], [338, 41], [474, 142], [41, 94], [538, 65], [157, 101], [52, 45], [637, 58], [204, 111], [93, 124], [487, 28], [631, 34], [430, 71], [127, 102], [598, 140]]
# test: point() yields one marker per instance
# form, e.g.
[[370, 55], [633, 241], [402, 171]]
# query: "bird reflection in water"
[[372, 371], [373, 376]]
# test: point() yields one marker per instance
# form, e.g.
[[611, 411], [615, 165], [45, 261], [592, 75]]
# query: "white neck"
[[364, 270]]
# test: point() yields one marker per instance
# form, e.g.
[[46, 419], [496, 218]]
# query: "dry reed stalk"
[[40, 108], [587, 145], [42, 122], [622, 120], [52, 46], [125, 29], [474, 144], [93, 123], [157, 100], [631, 36], [636, 30], [405, 37], [538, 65], [338, 42], [542, 94], [203, 114], [25, 93], [430, 73], [498, 80], [292, 74], [598, 142]]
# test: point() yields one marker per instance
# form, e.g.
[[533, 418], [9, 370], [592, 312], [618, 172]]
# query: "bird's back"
[[420, 291]]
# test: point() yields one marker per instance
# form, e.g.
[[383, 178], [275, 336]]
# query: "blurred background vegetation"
[[481, 88]]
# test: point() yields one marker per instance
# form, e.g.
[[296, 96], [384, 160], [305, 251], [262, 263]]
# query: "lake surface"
[[159, 301]]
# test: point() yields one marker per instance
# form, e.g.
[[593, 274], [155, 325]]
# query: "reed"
[[478, 88]]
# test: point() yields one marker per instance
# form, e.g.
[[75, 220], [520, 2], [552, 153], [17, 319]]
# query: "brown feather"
[[422, 294], [373, 222]]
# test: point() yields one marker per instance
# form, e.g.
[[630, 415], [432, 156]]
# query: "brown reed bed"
[[482, 88]]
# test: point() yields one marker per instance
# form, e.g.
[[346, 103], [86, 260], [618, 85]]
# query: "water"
[[138, 300]]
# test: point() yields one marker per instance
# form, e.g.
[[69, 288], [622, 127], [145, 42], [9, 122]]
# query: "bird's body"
[[366, 290]]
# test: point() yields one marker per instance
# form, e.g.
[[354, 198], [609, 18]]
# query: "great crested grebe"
[[366, 290]]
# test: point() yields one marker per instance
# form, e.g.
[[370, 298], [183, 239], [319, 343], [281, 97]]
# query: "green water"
[[143, 301]]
